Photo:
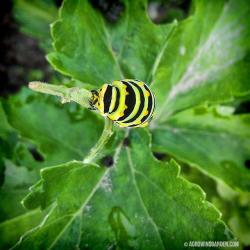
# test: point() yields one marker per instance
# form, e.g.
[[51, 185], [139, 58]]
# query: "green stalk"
[[106, 134], [75, 94], [81, 96]]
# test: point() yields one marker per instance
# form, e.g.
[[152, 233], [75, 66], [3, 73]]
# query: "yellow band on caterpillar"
[[129, 103]]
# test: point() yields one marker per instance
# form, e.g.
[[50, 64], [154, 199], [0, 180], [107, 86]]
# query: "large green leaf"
[[97, 52], [82, 26], [58, 134], [213, 60], [139, 203], [218, 145], [185, 67], [206, 60], [137, 43]]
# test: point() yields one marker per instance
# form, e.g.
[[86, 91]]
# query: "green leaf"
[[35, 17], [236, 210], [16, 183], [4, 125], [14, 221], [206, 60], [210, 65], [218, 145], [8, 140], [234, 206], [138, 203], [57, 134], [97, 52], [137, 43], [82, 26], [11, 230]]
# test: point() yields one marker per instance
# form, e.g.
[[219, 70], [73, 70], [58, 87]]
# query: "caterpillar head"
[[94, 99], [97, 99]]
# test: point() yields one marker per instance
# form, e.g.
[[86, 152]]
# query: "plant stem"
[[106, 134], [81, 96], [76, 94]]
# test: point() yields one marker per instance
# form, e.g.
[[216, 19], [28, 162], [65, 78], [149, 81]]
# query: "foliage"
[[198, 69], [35, 17]]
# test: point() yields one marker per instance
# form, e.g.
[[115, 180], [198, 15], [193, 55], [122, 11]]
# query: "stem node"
[[75, 94]]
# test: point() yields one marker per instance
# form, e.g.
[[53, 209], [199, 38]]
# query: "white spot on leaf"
[[106, 183], [182, 50]]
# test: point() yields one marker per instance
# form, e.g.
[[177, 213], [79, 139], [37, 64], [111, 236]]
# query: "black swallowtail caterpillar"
[[129, 103]]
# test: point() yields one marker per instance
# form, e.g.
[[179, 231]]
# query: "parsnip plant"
[[123, 197]]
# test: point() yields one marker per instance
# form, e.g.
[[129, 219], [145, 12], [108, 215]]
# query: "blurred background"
[[25, 40]]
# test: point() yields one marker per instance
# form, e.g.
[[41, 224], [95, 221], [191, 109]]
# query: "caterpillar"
[[129, 103]]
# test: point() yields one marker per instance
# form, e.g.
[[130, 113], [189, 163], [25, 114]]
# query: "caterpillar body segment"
[[129, 103]]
